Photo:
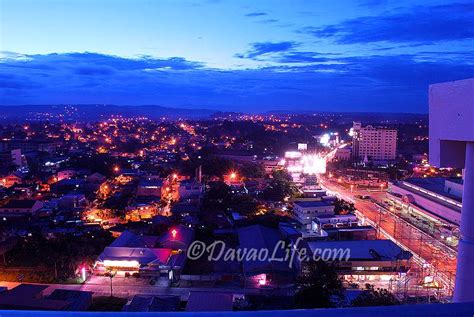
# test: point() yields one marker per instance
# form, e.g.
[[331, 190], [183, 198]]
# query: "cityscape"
[[236, 158]]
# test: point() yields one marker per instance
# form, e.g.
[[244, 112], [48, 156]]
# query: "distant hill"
[[91, 112]]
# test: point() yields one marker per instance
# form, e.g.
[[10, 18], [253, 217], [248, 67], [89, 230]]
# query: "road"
[[127, 288], [435, 258]]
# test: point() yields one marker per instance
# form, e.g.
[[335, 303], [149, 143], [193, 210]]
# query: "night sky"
[[252, 56]]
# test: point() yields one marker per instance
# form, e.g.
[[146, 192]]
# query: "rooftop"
[[365, 249], [439, 310], [309, 204]]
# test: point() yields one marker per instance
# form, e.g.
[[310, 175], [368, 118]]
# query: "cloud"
[[419, 24], [256, 14], [302, 81], [259, 49], [268, 21]]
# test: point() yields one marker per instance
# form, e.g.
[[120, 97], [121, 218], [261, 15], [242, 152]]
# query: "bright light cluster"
[[313, 164], [121, 263]]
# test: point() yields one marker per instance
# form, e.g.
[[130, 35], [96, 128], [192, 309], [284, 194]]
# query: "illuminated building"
[[367, 261], [375, 144], [306, 211], [452, 145]]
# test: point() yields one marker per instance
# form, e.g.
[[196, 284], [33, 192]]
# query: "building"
[[374, 144], [333, 221], [190, 189], [150, 187], [32, 297], [17, 208], [151, 303], [262, 272], [451, 138], [366, 261], [29, 145], [210, 302], [147, 255], [431, 197], [11, 159], [343, 154], [306, 211]]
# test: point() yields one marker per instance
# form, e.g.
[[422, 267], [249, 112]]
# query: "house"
[[306, 211], [262, 272], [96, 178], [150, 187], [20, 208], [151, 303], [13, 178], [30, 297], [190, 189], [66, 174], [78, 300], [209, 301], [72, 201]]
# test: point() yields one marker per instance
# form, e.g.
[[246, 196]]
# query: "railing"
[[439, 310]]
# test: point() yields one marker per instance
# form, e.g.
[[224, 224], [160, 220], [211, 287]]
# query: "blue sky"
[[361, 55]]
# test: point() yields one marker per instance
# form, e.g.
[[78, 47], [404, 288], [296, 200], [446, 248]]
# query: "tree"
[[280, 186], [342, 207], [375, 297], [319, 286]]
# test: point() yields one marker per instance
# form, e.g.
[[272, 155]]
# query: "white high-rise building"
[[371, 143]]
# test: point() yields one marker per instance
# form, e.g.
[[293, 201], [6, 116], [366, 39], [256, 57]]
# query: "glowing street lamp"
[[233, 175], [352, 188], [174, 233], [83, 273], [116, 169]]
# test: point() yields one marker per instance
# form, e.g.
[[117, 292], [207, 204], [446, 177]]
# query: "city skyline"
[[234, 56]]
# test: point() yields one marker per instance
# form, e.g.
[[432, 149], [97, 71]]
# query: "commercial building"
[[366, 260], [147, 255], [373, 144], [306, 211], [433, 197]]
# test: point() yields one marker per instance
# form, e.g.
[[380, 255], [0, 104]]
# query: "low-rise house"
[[209, 301], [260, 272], [32, 297], [151, 303], [190, 189], [78, 300], [16, 208], [149, 187]]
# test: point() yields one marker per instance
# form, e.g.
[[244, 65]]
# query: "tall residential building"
[[371, 143]]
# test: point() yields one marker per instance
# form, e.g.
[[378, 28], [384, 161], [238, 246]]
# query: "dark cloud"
[[255, 14], [420, 24], [259, 49], [268, 21], [303, 80]]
